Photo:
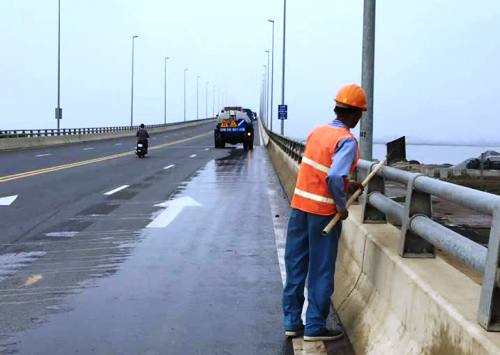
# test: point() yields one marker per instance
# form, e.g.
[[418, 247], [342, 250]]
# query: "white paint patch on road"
[[118, 144], [173, 209], [89, 148], [62, 234], [207, 148], [109, 193], [32, 279], [169, 167], [43, 155], [192, 156], [8, 200]]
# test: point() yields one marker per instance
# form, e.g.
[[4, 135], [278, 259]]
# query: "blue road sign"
[[282, 112]]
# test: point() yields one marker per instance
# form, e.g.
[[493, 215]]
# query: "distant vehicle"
[[141, 150], [234, 126], [250, 114], [492, 162]]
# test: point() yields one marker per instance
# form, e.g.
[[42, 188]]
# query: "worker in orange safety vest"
[[330, 157]]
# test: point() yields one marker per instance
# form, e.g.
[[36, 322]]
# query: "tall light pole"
[[206, 99], [283, 69], [132, 86], [267, 88], [272, 75], [367, 78], [265, 94], [185, 71], [197, 97], [165, 93], [58, 108], [213, 101]]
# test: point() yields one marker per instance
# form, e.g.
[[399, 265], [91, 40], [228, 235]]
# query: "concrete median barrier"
[[34, 142], [394, 305]]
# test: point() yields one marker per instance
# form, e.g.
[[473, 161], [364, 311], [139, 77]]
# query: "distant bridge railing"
[[420, 234], [24, 133]]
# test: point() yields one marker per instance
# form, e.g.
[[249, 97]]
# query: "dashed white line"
[[89, 148], [207, 148], [169, 167], [116, 190], [117, 144], [43, 155], [192, 155]]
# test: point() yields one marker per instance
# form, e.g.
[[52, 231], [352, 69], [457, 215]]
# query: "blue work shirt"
[[342, 159]]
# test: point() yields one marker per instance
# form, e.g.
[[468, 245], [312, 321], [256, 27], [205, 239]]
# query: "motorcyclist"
[[142, 136]]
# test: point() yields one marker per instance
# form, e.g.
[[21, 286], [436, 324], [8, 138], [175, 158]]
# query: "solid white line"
[[192, 155], [43, 155], [88, 148], [169, 167], [116, 190]]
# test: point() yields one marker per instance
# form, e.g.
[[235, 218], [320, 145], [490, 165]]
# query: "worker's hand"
[[343, 214], [354, 186]]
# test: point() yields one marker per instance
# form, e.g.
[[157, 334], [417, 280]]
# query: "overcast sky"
[[437, 75]]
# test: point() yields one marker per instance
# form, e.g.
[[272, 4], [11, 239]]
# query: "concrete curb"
[[392, 305], [35, 142]]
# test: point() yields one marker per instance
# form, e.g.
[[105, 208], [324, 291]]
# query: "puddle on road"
[[11, 263]]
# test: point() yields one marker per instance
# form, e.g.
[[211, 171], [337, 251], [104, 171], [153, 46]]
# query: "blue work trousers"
[[309, 254]]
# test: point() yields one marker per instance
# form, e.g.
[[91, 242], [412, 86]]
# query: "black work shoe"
[[325, 335], [292, 333]]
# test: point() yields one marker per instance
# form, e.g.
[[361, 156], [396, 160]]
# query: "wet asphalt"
[[81, 272]]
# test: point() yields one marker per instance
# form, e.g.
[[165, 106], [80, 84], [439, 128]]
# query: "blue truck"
[[233, 127]]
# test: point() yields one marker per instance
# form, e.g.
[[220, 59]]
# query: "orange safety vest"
[[311, 190]]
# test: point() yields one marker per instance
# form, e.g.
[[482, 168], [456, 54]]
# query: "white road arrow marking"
[[7, 201], [116, 190], [173, 208]]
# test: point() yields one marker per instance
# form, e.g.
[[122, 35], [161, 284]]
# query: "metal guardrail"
[[25, 133], [420, 234]]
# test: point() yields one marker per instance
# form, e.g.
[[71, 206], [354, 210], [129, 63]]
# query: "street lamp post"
[[272, 74], [213, 101], [367, 79], [132, 86], [267, 89], [197, 97], [265, 94], [58, 108], [185, 71], [283, 68], [165, 93], [206, 99]]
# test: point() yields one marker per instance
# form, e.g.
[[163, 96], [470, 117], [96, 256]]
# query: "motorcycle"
[[141, 149]]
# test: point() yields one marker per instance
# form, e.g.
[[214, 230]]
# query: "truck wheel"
[[245, 146]]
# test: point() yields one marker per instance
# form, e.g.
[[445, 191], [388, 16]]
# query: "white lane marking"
[[192, 155], [207, 148], [173, 208], [7, 201], [43, 155], [89, 148], [169, 167], [117, 144], [116, 190], [62, 234]]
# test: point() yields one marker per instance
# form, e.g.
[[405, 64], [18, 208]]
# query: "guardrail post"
[[489, 304], [369, 213], [416, 203]]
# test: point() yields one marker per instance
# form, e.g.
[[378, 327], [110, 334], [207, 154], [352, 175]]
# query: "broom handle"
[[354, 196]]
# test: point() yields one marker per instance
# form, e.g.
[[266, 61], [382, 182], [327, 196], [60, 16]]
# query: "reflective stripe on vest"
[[315, 165], [313, 197]]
